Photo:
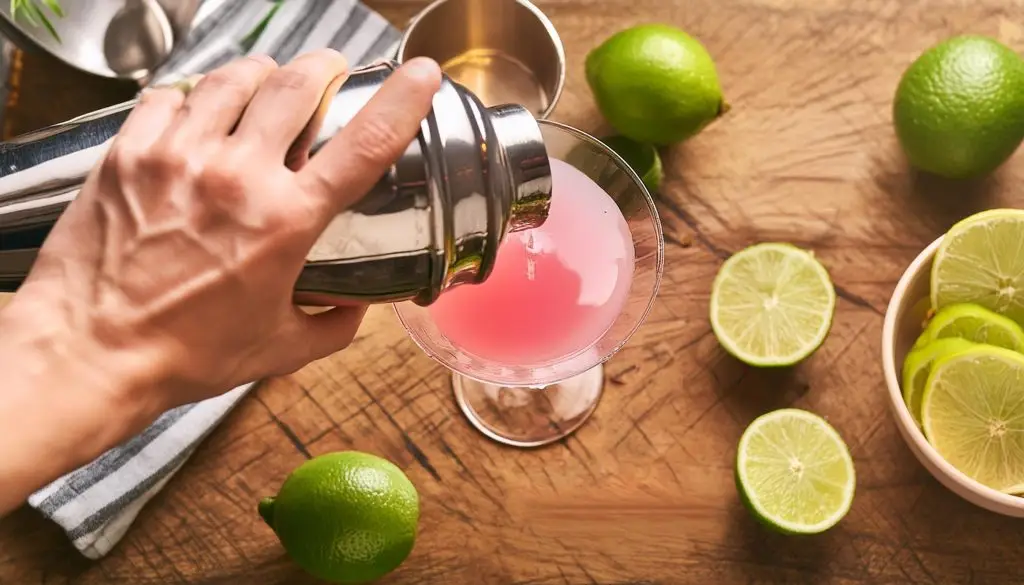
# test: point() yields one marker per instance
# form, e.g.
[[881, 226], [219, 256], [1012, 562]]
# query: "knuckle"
[[375, 141], [225, 83], [120, 159], [120, 163], [159, 97], [126, 160], [162, 163], [222, 181], [288, 80]]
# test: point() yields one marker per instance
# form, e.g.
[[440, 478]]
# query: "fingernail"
[[423, 69]]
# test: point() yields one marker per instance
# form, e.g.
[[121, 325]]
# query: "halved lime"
[[918, 364], [981, 260], [794, 472], [642, 158], [972, 412], [973, 323], [772, 304]]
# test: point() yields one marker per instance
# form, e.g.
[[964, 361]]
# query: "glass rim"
[[659, 267]]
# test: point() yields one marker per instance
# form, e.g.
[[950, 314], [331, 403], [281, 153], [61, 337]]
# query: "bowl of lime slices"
[[953, 357]]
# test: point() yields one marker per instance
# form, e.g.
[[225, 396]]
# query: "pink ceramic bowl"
[[903, 318]]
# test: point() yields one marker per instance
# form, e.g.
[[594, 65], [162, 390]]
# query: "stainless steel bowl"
[[124, 39], [504, 51]]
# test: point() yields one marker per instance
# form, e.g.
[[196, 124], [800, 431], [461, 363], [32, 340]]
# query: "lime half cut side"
[[973, 323], [972, 412], [772, 304], [918, 365], [794, 472], [981, 261]]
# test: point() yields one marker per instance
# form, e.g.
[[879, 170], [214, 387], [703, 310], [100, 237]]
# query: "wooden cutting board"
[[644, 492]]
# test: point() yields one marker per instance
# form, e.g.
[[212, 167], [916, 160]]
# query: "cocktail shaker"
[[433, 221]]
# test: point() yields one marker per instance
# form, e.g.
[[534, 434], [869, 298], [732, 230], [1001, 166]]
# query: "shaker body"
[[434, 220]]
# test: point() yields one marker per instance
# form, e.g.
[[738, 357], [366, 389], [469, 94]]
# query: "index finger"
[[356, 158]]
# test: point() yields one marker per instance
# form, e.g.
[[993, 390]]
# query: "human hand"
[[174, 267]]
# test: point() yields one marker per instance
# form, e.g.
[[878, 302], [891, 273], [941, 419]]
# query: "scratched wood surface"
[[644, 492]]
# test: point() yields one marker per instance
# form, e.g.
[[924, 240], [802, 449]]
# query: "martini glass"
[[536, 404]]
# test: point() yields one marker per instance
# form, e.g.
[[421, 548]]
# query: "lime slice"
[[973, 323], [772, 304], [1017, 490], [981, 261], [642, 158], [794, 472], [918, 364], [972, 412]]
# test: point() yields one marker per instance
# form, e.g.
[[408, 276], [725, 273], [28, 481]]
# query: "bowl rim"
[[923, 261]]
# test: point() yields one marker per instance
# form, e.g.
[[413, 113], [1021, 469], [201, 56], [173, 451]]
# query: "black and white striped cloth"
[[96, 504]]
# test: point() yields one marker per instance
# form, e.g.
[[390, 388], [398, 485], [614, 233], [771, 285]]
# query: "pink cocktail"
[[526, 345], [554, 290]]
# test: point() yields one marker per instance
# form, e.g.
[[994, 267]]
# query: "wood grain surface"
[[643, 494]]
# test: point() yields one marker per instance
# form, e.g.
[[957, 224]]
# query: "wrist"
[[64, 401]]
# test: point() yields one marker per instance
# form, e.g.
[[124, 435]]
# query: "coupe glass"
[[531, 406]]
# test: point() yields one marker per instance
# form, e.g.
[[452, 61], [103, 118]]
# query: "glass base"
[[529, 417]]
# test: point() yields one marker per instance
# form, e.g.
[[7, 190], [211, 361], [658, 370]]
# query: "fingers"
[[347, 166], [288, 99], [331, 331], [156, 110], [217, 102]]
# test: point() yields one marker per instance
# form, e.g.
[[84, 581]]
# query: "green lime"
[[772, 304], [345, 517], [981, 261], [642, 158], [973, 414], [794, 472], [973, 323], [918, 364], [959, 108], [655, 84]]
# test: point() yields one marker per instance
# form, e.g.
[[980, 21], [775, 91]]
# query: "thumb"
[[330, 331]]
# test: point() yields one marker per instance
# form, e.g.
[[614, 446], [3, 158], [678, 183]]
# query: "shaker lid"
[[527, 162]]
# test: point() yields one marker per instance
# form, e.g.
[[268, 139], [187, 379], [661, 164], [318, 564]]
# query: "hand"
[[169, 279]]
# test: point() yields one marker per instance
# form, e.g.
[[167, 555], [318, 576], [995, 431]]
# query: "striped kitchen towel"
[[97, 503]]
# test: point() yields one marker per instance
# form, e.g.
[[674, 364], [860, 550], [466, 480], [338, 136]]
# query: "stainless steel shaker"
[[433, 221]]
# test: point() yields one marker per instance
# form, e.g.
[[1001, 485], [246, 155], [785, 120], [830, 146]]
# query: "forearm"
[[63, 402]]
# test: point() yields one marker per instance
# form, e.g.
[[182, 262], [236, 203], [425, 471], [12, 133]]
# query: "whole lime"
[[655, 84], [959, 108], [345, 517]]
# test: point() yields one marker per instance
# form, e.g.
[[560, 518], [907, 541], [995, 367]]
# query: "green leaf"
[[19, 8], [249, 41], [31, 12], [55, 8], [46, 21]]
